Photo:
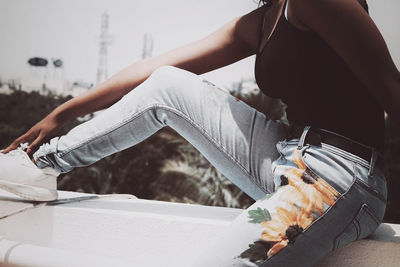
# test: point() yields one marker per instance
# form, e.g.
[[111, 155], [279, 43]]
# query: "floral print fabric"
[[300, 199]]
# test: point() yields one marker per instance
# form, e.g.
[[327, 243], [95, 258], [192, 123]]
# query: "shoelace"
[[16, 152], [20, 152], [22, 148]]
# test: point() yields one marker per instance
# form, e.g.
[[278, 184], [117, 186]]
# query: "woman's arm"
[[349, 30], [234, 41]]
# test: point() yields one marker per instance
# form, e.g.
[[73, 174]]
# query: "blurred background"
[[53, 50]]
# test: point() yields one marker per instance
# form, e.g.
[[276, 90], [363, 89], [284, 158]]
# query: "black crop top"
[[317, 86]]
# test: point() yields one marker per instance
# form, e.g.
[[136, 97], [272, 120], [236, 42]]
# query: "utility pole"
[[105, 41], [147, 46]]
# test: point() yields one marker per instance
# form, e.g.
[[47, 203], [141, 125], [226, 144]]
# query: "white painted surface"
[[121, 231], [20, 254], [140, 232]]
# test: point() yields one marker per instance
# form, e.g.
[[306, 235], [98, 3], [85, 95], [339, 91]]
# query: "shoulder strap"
[[273, 12], [364, 4]]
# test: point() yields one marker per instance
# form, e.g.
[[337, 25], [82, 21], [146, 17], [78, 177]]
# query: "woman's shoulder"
[[308, 15]]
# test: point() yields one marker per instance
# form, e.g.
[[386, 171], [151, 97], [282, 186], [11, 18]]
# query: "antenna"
[[105, 41], [147, 46], [58, 68]]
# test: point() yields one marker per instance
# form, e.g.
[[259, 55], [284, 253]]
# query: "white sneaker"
[[20, 176]]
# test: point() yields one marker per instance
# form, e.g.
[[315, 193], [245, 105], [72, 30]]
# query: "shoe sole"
[[29, 192]]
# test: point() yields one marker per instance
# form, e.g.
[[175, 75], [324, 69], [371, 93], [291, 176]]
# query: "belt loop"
[[303, 137], [372, 163]]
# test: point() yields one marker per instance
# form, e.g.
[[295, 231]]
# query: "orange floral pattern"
[[303, 197]]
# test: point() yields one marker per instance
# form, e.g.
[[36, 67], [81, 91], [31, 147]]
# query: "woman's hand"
[[37, 135]]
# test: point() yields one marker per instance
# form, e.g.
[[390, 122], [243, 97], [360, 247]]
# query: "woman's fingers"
[[36, 136], [12, 146], [35, 144], [27, 137]]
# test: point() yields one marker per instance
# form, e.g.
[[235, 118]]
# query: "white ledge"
[[19, 254], [120, 230]]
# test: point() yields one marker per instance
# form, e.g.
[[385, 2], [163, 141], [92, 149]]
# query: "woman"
[[325, 58]]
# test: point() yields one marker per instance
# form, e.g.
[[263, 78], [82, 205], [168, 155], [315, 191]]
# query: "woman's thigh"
[[236, 138], [324, 200]]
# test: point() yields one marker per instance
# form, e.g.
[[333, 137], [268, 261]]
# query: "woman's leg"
[[238, 140]]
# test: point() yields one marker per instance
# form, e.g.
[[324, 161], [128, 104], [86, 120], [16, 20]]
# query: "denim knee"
[[173, 80]]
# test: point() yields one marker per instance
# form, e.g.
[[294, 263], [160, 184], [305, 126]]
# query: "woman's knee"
[[164, 72], [173, 79], [167, 85]]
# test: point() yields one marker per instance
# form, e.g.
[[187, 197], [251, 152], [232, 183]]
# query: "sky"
[[70, 30]]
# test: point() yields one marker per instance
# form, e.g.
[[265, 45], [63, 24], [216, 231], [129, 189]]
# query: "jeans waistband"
[[316, 136]]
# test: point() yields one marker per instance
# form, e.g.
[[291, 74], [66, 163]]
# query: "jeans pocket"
[[363, 224], [334, 169]]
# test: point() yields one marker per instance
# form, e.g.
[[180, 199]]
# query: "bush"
[[165, 166]]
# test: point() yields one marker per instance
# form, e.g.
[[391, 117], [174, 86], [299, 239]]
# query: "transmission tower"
[[147, 46], [105, 41]]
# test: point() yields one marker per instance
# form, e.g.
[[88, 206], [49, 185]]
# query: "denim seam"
[[177, 112], [354, 158], [345, 154], [361, 184], [311, 169], [106, 131], [355, 171], [341, 153], [208, 136], [337, 239], [364, 209], [367, 210], [253, 122], [339, 198]]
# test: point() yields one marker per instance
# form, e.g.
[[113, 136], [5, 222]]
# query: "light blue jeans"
[[237, 139], [311, 200]]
